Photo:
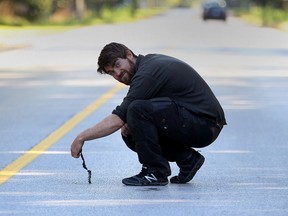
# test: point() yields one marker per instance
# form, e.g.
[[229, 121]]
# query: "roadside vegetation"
[[20, 13], [268, 16], [73, 13], [272, 13], [38, 17]]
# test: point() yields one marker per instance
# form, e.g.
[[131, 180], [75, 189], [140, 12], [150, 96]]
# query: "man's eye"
[[117, 64]]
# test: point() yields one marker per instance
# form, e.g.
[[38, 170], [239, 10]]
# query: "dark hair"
[[110, 53]]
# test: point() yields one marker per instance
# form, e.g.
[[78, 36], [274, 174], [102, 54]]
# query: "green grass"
[[44, 27], [117, 15]]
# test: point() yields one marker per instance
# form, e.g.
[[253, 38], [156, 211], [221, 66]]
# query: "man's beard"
[[130, 72], [132, 67]]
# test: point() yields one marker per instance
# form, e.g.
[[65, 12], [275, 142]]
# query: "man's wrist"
[[80, 139]]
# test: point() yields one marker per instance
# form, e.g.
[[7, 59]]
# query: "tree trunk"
[[6, 8], [80, 8]]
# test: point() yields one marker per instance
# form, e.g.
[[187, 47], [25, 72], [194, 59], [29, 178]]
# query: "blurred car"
[[214, 9]]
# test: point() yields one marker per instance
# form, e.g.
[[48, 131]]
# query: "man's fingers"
[[125, 130], [76, 148], [75, 154]]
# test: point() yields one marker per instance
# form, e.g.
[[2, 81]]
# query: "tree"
[[6, 7], [80, 8], [71, 8], [134, 7], [32, 10]]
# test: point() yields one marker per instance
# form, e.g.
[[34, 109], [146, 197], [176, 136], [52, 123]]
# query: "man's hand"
[[125, 130], [76, 147]]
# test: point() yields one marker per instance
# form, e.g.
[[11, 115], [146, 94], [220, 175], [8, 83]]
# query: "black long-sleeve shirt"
[[158, 75]]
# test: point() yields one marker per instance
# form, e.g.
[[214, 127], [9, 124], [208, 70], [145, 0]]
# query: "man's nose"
[[117, 72]]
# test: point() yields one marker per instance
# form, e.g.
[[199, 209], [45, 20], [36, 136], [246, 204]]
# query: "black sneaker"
[[146, 178], [188, 168]]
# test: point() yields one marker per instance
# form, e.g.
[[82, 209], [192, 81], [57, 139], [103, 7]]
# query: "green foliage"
[[26, 12], [33, 10], [267, 16]]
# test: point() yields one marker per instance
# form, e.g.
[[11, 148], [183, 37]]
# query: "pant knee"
[[138, 109], [130, 143]]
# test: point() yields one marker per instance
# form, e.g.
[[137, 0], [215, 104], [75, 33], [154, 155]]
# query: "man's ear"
[[130, 56]]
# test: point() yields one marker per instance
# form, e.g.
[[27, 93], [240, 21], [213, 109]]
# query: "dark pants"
[[162, 131]]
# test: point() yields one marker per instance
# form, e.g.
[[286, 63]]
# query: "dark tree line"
[[279, 4], [34, 10]]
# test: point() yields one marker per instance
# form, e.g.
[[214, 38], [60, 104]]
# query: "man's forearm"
[[107, 126]]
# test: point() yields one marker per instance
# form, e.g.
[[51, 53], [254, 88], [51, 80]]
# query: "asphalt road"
[[50, 91]]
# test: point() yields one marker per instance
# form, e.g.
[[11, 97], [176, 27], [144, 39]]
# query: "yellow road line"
[[25, 159]]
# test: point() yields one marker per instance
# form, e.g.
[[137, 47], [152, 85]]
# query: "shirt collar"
[[139, 58]]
